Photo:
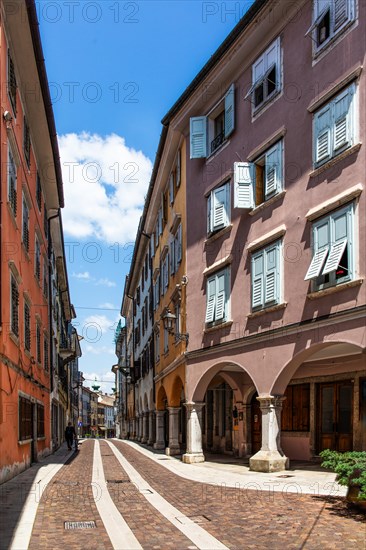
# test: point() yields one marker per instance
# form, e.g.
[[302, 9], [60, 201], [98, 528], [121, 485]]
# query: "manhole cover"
[[80, 525], [118, 481], [196, 519], [285, 475], [66, 483]]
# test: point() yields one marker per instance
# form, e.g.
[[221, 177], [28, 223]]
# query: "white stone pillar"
[[160, 436], [145, 427], [174, 447], [270, 458], [150, 441], [194, 451]]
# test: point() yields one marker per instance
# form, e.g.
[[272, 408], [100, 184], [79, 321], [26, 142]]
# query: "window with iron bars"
[[14, 307], [27, 330]]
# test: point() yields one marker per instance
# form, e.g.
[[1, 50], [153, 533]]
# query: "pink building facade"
[[274, 126]]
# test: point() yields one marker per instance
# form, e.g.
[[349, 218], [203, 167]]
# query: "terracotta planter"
[[352, 498]]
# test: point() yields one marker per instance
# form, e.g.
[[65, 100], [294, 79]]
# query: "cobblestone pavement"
[[238, 518]]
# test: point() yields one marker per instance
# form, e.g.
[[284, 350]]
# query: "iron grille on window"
[[38, 261], [39, 193], [40, 420], [45, 222], [45, 353], [38, 342], [12, 84], [45, 281], [12, 189], [26, 142], [217, 141], [14, 307], [27, 331], [25, 236], [25, 419]]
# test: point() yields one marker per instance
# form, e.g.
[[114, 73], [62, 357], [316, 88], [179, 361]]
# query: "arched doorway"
[[217, 424]]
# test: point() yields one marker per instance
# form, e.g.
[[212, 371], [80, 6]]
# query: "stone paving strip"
[[244, 518], [121, 536], [70, 497], [197, 534], [150, 528]]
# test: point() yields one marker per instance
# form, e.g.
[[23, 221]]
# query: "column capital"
[[191, 406], [173, 410], [159, 413], [268, 401]]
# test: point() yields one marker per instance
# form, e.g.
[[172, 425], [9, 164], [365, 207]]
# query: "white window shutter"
[[198, 137], [209, 214], [316, 264], [219, 208], [257, 279], [172, 257], [334, 257], [244, 180], [271, 290], [273, 170], [178, 167], [179, 250], [152, 244], [342, 106], [341, 13], [220, 296], [211, 298], [322, 133], [230, 111]]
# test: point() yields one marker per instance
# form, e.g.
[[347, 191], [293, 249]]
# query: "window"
[[142, 279], [27, 326], [332, 261], [331, 17], [176, 250], [37, 260], [157, 344], [26, 142], [208, 133], [39, 193], [166, 340], [218, 208], [25, 419], [40, 420], [266, 76], [12, 84], [178, 170], [45, 222], [38, 343], [217, 297], [165, 274], [25, 224], [12, 183], [146, 306], [45, 353], [266, 276], [138, 296], [268, 174], [14, 306], [296, 409], [45, 279], [177, 321], [156, 287], [171, 188], [333, 126], [164, 208]]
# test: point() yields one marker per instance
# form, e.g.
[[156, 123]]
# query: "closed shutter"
[[198, 137], [271, 290], [322, 132], [230, 111], [160, 221], [341, 13], [209, 216], [172, 256], [178, 169], [257, 279], [220, 296], [342, 105], [273, 170], [152, 245], [179, 245], [211, 297], [219, 208], [244, 179]]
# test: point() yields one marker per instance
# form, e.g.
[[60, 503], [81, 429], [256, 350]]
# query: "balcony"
[[217, 141]]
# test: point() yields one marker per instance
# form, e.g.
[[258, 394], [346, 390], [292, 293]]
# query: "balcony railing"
[[217, 141]]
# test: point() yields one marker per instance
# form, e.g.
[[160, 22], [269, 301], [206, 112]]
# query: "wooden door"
[[256, 428], [335, 416]]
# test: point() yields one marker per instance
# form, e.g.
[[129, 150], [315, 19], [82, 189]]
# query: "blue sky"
[[115, 68]]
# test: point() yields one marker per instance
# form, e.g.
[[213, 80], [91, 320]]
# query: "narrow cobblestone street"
[[204, 516]]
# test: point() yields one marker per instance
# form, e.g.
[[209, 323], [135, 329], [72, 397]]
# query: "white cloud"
[[105, 282], [85, 275], [107, 305], [106, 380], [100, 325], [109, 180]]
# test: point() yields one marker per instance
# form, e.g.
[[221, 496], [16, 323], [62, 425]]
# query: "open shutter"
[[257, 279], [342, 106], [179, 245], [198, 137], [211, 298], [219, 208], [160, 219], [230, 111], [320, 8], [323, 121], [209, 214], [220, 296], [171, 188], [172, 256], [273, 170], [243, 184], [178, 168], [271, 290], [152, 245], [316, 264], [334, 257], [341, 13]]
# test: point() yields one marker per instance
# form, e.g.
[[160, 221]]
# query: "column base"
[[159, 446], [268, 461], [150, 442], [144, 440], [172, 451], [192, 458]]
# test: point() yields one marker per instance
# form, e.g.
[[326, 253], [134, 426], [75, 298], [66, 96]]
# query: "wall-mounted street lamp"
[[170, 323], [124, 370]]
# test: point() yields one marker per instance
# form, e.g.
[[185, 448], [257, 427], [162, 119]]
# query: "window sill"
[[26, 253], [220, 264], [334, 289], [257, 111], [218, 326], [25, 442], [269, 202], [15, 338], [217, 151], [269, 309], [218, 234], [12, 215], [320, 51], [334, 160], [42, 438]]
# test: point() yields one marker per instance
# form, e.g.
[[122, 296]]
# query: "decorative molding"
[[267, 238], [334, 88], [218, 234], [334, 289], [269, 202], [218, 265], [334, 202], [257, 151], [260, 312]]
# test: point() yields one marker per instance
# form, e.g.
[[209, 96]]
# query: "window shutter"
[[178, 168], [152, 245], [211, 297], [334, 257], [172, 256], [220, 296], [273, 170], [171, 188], [316, 264], [209, 217], [322, 134], [341, 13], [198, 137], [160, 221], [257, 279], [219, 208], [244, 179], [230, 111], [179, 240], [272, 279], [342, 105]]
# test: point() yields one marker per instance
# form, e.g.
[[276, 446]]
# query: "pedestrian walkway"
[[118, 495]]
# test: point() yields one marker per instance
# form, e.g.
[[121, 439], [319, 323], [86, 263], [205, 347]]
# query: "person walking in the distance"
[[70, 435]]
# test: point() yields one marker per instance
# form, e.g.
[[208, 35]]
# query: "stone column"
[[270, 458], [133, 431], [145, 427], [160, 439], [174, 447], [139, 426], [194, 451], [150, 441]]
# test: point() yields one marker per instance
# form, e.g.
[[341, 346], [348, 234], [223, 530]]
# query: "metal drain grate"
[[80, 525], [196, 519]]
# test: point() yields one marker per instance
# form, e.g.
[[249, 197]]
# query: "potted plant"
[[350, 468]]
